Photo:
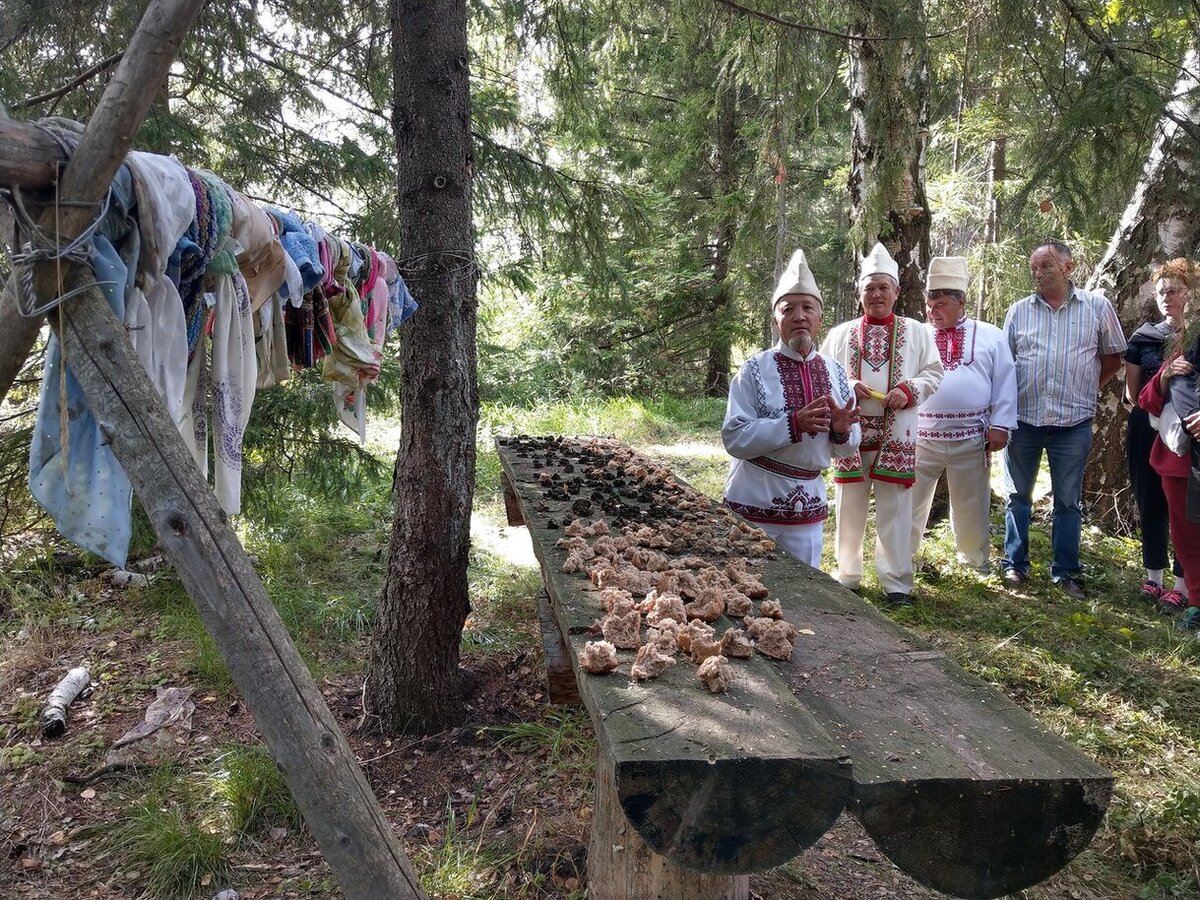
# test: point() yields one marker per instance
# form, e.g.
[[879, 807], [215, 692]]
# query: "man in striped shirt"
[[1066, 343]]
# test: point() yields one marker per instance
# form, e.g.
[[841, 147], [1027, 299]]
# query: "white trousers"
[[965, 463], [893, 532], [802, 542]]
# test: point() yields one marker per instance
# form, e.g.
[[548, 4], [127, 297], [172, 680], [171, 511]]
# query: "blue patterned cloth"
[[88, 493], [301, 247]]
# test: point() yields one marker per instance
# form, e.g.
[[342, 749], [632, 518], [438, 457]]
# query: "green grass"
[[172, 844], [177, 619], [252, 791], [563, 736]]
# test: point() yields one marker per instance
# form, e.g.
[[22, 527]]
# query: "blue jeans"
[[1067, 449]]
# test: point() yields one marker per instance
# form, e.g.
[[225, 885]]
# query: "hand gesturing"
[[842, 418], [813, 418]]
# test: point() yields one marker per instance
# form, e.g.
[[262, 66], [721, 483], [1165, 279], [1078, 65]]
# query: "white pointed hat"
[[797, 278], [947, 273], [879, 262]]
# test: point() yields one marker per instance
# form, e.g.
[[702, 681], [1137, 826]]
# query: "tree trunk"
[[889, 99], [413, 680], [781, 230], [716, 378], [1159, 224], [997, 172]]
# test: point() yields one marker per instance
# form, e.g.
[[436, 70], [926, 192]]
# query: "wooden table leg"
[[511, 507], [560, 674], [621, 865]]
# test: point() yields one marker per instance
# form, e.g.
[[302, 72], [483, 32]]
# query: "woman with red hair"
[[1174, 284]]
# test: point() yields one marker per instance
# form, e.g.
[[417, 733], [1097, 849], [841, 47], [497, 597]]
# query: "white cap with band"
[[797, 278], [947, 273]]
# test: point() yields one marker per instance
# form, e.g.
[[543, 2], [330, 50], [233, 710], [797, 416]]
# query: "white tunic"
[[775, 476], [895, 352], [979, 390]]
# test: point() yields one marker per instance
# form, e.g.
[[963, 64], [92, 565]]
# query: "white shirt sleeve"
[[745, 434]]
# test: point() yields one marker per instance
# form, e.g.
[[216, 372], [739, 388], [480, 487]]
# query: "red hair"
[[1182, 270]]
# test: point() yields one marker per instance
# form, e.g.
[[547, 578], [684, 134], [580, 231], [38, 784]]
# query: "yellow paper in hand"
[[876, 395]]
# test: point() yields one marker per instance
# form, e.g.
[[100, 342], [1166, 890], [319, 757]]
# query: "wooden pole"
[[29, 158], [16, 338], [338, 805], [301, 733]]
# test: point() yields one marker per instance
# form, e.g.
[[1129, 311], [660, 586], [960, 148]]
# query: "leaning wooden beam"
[[301, 733], [32, 158], [338, 805], [17, 338], [955, 782], [29, 158]]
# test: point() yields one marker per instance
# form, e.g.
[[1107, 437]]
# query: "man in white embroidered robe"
[[790, 409], [968, 417], [893, 365]]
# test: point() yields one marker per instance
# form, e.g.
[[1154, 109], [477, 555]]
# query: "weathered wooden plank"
[[560, 675], [27, 155], [728, 783], [303, 737], [957, 784], [17, 338]]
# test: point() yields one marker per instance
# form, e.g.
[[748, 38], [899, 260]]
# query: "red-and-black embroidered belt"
[[781, 468]]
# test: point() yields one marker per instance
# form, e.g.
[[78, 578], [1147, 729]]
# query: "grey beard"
[[801, 345]]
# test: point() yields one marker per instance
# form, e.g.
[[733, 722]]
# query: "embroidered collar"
[[888, 320], [953, 345], [784, 350]]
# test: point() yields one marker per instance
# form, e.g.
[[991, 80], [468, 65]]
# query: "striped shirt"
[[1057, 352]]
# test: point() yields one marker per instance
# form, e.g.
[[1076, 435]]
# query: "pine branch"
[[1097, 38], [816, 29], [279, 67], [538, 164], [1109, 49], [83, 76]]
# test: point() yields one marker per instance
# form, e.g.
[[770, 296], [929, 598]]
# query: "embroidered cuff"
[[912, 398], [795, 435]]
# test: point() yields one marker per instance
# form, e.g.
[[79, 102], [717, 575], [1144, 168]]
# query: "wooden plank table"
[[712, 784], [956, 784]]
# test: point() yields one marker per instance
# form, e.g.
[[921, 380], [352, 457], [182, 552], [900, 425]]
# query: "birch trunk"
[[1158, 224], [889, 99]]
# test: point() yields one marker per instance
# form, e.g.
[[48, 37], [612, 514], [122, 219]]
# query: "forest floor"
[[499, 807]]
